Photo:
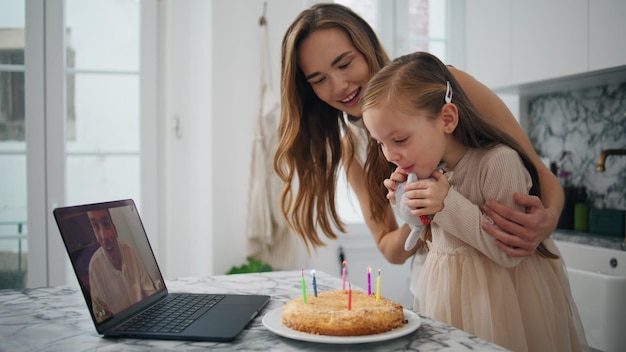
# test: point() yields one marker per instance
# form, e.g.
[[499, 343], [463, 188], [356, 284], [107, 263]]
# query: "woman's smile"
[[350, 100]]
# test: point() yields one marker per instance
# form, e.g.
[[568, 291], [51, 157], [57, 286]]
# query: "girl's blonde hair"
[[418, 82], [310, 131]]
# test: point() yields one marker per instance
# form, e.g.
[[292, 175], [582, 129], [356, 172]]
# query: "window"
[[69, 122], [13, 224], [102, 80], [403, 26]]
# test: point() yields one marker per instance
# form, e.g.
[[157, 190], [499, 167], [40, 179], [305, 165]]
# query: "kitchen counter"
[[56, 319], [609, 242]]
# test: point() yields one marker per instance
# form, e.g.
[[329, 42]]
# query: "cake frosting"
[[328, 314]]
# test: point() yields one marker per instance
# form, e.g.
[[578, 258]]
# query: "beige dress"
[[523, 304]]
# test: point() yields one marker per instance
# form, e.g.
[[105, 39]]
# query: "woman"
[[328, 55]]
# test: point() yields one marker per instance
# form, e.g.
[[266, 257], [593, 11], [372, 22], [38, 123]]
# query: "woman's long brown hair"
[[419, 81], [310, 131]]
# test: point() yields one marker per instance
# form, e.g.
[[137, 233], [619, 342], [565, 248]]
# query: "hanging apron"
[[269, 238]]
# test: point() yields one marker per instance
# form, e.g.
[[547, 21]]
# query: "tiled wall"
[[584, 122]]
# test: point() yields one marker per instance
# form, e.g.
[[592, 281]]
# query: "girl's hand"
[[518, 234], [426, 196], [391, 184]]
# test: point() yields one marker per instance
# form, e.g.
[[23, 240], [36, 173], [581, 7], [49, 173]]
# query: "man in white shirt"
[[117, 277]]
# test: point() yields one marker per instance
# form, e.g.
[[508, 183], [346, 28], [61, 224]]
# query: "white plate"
[[274, 323]]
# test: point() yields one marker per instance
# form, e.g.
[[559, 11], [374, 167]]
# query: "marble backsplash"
[[580, 124]]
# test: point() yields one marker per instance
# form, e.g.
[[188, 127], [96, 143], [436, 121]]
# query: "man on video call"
[[117, 277]]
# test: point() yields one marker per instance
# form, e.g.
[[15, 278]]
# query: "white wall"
[[186, 92], [210, 81]]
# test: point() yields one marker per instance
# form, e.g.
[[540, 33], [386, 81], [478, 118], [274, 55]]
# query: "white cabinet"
[[509, 43], [549, 39], [607, 28], [488, 41]]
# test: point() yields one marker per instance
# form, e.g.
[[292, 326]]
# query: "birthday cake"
[[328, 314]]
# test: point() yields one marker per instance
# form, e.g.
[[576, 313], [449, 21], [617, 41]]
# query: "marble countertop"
[[56, 319], [588, 238]]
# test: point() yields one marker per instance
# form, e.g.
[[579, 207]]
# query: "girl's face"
[[412, 141], [334, 68]]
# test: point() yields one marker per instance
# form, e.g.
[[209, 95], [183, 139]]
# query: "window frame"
[[387, 30]]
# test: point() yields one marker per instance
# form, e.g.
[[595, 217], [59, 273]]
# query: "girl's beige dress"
[[522, 304]]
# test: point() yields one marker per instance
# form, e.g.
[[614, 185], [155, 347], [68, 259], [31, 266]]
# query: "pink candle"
[[343, 276], [378, 287], [349, 296], [369, 280]]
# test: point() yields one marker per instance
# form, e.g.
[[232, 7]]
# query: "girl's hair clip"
[[448, 97]]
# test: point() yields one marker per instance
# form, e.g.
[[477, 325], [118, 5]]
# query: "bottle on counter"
[[581, 210], [566, 220]]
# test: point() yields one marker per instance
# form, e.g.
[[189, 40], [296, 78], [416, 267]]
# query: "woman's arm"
[[389, 238], [517, 233]]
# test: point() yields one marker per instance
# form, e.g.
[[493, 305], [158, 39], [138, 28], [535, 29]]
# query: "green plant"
[[253, 266]]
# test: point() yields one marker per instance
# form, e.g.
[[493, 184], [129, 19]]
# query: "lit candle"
[[378, 286], [369, 280], [314, 283], [303, 287], [349, 296], [343, 276]]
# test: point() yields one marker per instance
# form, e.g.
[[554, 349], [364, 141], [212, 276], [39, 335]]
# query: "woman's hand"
[[426, 196], [391, 184], [518, 234]]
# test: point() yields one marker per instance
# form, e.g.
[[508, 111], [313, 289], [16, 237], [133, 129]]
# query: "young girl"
[[419, 116], [328, 55]]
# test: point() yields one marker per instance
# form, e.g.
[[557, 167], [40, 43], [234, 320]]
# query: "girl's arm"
[[497, 173], [517, 233]]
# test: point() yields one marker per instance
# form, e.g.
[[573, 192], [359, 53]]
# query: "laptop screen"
[[111, 256]]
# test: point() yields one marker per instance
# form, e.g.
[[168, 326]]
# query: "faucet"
[[605, 154]]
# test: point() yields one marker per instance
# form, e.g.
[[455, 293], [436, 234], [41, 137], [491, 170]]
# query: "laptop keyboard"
[[173, 314]]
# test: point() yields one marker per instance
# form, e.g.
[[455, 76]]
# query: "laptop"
[[123, 286]]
